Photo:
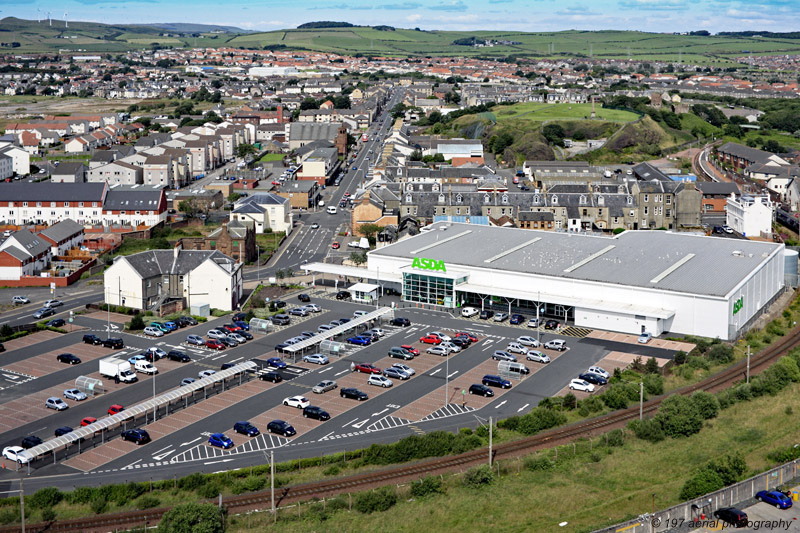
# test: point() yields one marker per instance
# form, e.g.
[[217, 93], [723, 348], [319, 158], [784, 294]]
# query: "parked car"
[[304, 297], [314, 308], [367, 368], [500, 316], [227, 340], [242, 325], [500, 355], [281, 427], [316, 358], [551, 324], [229, 328], [430, 339], [206, 373], [20, 300], [401, 321], [92, 339], [410, 349], [481, 390], [525, 340], [645, 337], [74, 394], [533, 323], [299, 311], [317, 413], [324, 386], [246, 428], [486, 314], [353, 394], [466, 335], [115, 409], [177, 355], [537, 356], [56, 323], [220, 441], [281, 320], [13, 453], [153, 331], [274, 377], [43, 313], [598, 370], [343, 295], [360, 340], [53, 303], [56, 403], [159, 326], [300, 402], [115, 344], [214, 344], [87, 420], [595, 379], [238, 337], [774, 497], [154, 353], [405, 368], [469, 312], [495, 381], [276, 362], [395, 373], [732, 515], [63, 430], [379, 380], [400, 353], [30, 441], [516, 318], [187, 381], [237, 317], [581, 385], [556, 344], [438, 350], [137, 436], [68, 358], [516, 347]]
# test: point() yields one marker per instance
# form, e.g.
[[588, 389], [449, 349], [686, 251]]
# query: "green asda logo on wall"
[[738, 304], [428, 264]]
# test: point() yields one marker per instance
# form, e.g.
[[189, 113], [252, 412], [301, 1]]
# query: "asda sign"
[[738, 304], [423, 263]]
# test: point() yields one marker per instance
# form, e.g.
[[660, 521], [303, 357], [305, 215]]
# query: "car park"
[[43, 312], [153, 331], [296, 401], [68, 358], [92, 339], [360, 341], [273, 377], [20, 300], [491, 380], [644, 338], [581, 385], [137, 436], [317, 413], [595, 379], [774, 497], [395, 373], [56, 403], [379, 380], [281, 320], [316, 358], [353, 394], [533, 323], [214, 344], [480, 390], [75, 395], [732, 515], [401, 321], [537, 356], [115, 344], [177, 355], [556, 344], [500, 355], [30, 441], [281, 427], [598, 370], [220, 441], [500, 317], [516, 347], [63, 430], [486, 314], [13, 453], [206, 373], [246, 428], [525, 340]]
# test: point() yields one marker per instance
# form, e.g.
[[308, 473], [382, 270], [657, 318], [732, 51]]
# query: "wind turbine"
[[49, 20], [66, 24], [38, 14]]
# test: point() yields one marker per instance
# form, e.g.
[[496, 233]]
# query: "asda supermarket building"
[[653, 281]]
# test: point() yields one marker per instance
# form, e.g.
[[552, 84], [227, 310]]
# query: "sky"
[[522, 15]]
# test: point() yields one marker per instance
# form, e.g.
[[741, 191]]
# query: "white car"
[[216, 334], [380, 381], [556, 344], [437, 350], [206, 373], [314, 308], [445, 338], [317, 358], [153, 332], [599, 370], [537, 356], [727, 229], [377, 331], [468, 312], [645, 337], [450, 347], [581, 385], [516, 347], [19, 300], [238, 338], [405, 368], [74, 394], [533, 323], [12, 453], [528, 341], [53, 303], [297, 401]]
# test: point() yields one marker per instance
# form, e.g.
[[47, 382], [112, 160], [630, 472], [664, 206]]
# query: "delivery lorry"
[[112, 367]]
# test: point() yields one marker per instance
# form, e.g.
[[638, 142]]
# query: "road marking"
[[133, 463], [325, 369], [162, 449], [162, 456], [353, 420], [523, 407], [381, 412], [220, 461], [342, 372], [451, 374], [191, 441], [218, 357], [328, 435], [500, 404], [358, 426], [435, 372]]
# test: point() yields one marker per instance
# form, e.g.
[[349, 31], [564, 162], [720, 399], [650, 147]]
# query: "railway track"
[[406, 473]]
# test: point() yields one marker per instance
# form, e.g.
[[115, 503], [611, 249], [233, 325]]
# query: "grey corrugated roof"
[[52, 192], [313, 130], [62, 230], [637, 257]]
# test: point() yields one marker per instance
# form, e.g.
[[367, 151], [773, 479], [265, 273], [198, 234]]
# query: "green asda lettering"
[[428, 264], [738, 304]]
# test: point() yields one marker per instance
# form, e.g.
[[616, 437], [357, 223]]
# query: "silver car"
[[74, 394], [324, 386], [394, 372], [216, 334], [317, 358], [238, 338], [500, 355], [537, 356]]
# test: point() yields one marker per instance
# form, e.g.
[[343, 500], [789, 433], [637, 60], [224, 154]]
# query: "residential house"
[[319, 165], [20, 158], [23, 254], [716, 194], [116, 173], [63, 236], [751, 216], [234, 239], [69, 172], [302, 194], [267, 211]]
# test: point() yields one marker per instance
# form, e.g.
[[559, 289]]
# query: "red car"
[[115, 409], [410, 349], [335, 245], [214, 344], [231, 328], [367, 368], [276, 183], [347, 195], [430, 339], [470, 336], [89, 420]]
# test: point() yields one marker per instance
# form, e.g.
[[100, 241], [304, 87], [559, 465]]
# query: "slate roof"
[[29, 243], [61, 231], [16, 253], [53, 192], [753, 155], [313, 130], [69, 168], [717, 188], [647, 172], [159, 262], [133, 198]]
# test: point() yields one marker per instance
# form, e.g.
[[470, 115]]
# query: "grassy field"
[[539, 112], [271, 157]]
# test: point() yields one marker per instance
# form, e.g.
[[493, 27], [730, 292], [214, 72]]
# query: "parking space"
[[634, 339], [30, 408], [103, 316], [30, 340], [46, 363]]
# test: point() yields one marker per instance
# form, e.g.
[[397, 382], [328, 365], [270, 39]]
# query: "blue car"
[[361, 341], [244, 325], [276, 362], [773, 497], [139, 357], [220, 441], [172, 326], [517, 319]]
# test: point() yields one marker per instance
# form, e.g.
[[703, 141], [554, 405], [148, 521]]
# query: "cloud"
[[500, 1], [457, 5], [414, 18], [653, 5], [351, 7], [577, 10], [405, 6]]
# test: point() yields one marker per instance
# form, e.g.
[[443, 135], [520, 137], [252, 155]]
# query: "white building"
[[21, 159], [6, 166], [266, 211], [750, 215], [23, 254], [148, 279], [654, 281]]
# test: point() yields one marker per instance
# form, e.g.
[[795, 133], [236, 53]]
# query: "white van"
[[331, 209], [145, 367]]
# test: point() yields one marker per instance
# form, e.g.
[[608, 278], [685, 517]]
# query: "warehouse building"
[[654, 281]]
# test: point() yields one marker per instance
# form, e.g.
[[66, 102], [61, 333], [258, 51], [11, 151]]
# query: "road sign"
[[71, 319], [52, 285], [463, 392]]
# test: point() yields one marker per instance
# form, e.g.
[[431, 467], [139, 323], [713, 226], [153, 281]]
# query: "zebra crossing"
[[203, 452], [451, 409], [388, 422]]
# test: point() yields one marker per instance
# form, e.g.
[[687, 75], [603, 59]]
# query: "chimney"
[[176, 250]]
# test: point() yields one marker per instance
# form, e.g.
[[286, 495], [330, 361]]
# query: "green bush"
[[615, 438], [379, 500], [209, 490], [680, 357], [147, 502], [249, 484], [427, 486], [654, 384], [11, 515], [478, 476], [706, 404], [192, 482], [651, 367], [720, 353], [679, 417], [616, 396], [539, 419], [99, 505], [81, 495], [332, 470], [648, 429], [570, 401], [48, 515], [714, 475], [700, 483], [537, 463], [137, 323], [192, 517], [44, 498]]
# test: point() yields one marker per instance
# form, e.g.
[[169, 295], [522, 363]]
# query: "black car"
[[317, 413], [176, 355], [461, 342], [551, 324], [137, 436], [116, 344], [181, 322], [280, 304], [591, 377], [92, 339], [353, 394], [401, 321], [2, 348], [68, 358], [343, 295], [486, 314], [228, 341], [246, 428], [226, 366], [274, 377], [732, 515], [56, 323], [304, 298], [245, 334], [495, 381], [63, 430], [281, 428], [238, 317], [718, 230], [30, 441], [481, 390]]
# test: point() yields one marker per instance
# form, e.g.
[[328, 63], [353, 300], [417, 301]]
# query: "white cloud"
[[414, 18]]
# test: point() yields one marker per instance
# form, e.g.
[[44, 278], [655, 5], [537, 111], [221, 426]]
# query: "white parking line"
[[218, 357], [325, 369], [353, 420]]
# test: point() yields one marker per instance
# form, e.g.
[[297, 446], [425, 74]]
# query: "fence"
[[703, 508]]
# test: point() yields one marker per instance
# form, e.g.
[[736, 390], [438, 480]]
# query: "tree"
[[358, 258], [137, 323], [232, 197], [189, 207], [192, 517], [416, 155], [554, 133], [245, 149]]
